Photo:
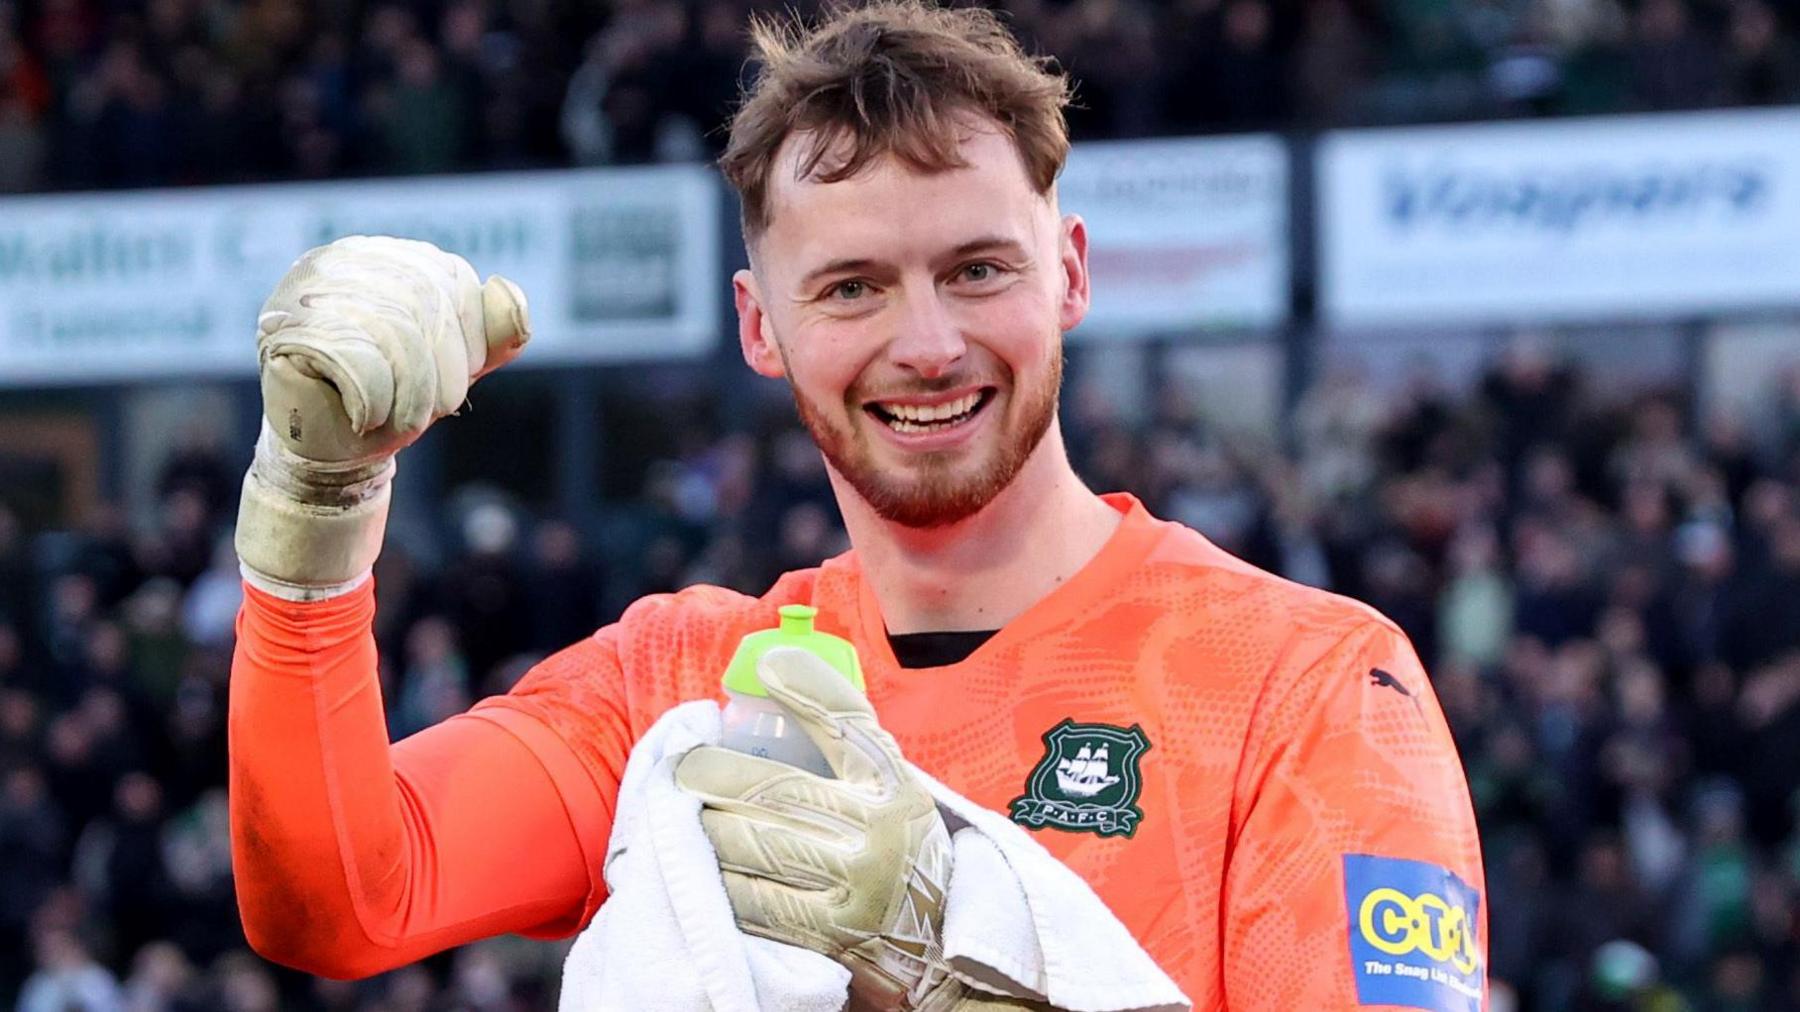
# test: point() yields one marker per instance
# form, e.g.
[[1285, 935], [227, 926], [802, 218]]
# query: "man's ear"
[[1074, 306], [756, 335]]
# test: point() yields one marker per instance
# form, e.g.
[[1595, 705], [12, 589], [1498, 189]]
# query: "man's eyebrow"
[[987, 243], [864, 265], [842, 265]]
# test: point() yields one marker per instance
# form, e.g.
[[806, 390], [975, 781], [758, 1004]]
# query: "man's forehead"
[[990, 193]]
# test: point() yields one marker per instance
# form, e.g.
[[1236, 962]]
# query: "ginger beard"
[[935, 489]]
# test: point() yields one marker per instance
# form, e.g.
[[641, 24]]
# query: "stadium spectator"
[[1673, 66], [563, 590], [68, 977], [1762, 63]]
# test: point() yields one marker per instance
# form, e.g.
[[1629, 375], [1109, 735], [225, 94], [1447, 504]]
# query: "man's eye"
[[980, 272], [845, 291]]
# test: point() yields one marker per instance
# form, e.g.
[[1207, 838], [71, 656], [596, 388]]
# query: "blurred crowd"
[[100, 93], [1606, 589]]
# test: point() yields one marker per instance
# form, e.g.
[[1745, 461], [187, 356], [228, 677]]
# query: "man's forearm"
[[348, 856]]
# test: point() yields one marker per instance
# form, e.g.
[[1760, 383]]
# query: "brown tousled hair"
[[889, 77]]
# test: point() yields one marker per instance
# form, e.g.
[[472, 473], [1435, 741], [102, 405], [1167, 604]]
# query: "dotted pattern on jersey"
[[1271, 752], [675, 647]]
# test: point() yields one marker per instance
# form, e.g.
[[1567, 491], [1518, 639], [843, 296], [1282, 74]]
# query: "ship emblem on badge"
[[1087, 782]]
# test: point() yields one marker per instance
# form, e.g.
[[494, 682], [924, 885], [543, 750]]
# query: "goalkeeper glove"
[[854, 868], [363, 345]]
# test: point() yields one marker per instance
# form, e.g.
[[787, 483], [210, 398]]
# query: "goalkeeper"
[[1253, 775]]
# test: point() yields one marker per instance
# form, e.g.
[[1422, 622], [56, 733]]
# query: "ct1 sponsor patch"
[[1412, 934]]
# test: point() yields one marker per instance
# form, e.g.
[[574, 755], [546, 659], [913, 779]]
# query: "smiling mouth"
[[916, 418]]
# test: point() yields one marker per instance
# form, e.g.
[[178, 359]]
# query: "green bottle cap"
[[796, 630]]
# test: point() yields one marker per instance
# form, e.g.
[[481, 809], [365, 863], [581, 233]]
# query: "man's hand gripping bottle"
[[758, 725]]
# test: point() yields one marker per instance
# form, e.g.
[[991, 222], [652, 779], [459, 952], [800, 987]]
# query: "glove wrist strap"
[[298, 592], [305, 529]]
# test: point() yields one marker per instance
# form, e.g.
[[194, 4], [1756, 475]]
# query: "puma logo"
[[1387, 680], [1382, 678]]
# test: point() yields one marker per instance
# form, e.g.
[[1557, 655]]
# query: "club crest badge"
[[1087, 782]]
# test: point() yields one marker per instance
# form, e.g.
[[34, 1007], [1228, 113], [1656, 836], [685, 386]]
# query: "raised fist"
[[369, 340], [363, 345]]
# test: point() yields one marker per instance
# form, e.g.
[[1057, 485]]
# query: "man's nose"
[[928, 340]]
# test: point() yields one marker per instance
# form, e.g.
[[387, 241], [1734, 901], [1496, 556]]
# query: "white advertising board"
[[1626, 217], [617, 264], [1183, 234]]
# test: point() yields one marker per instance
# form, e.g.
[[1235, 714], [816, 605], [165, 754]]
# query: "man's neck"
[[985, 570]]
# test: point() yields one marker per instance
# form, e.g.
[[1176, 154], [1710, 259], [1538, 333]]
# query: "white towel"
[[1017, 920]]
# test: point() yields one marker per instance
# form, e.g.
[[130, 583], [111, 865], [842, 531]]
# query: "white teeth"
[[932, 412]]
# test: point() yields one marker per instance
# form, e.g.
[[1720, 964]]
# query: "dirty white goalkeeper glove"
[[364, 344], [855, 868]]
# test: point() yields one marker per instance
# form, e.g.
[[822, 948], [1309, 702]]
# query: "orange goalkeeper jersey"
[[1255, 776]]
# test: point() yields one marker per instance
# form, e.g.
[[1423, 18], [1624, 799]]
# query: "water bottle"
[[757, 725]]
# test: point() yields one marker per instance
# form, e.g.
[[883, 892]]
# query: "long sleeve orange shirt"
[[353, 857], [1254, 776]]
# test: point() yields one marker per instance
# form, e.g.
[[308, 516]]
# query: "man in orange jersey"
[[1253, 775]]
